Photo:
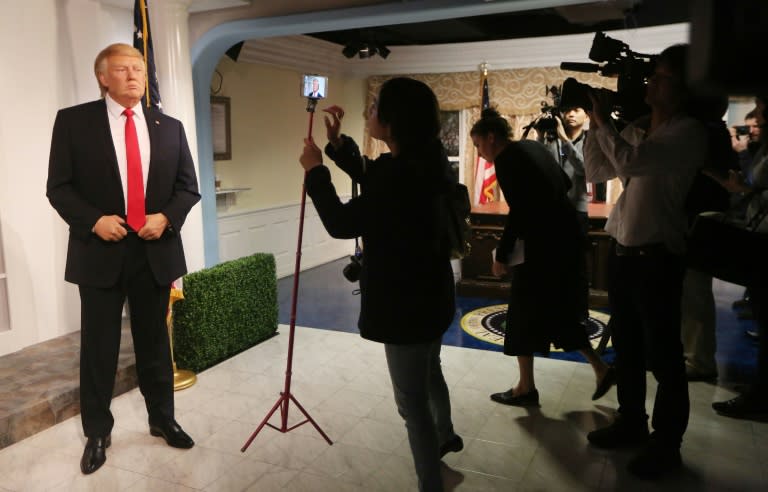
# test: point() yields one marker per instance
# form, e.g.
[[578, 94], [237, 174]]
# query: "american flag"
[[142, 41], [485, 172]]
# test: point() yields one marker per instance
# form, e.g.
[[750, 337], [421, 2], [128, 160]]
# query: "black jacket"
[[84, 184], [549, 291], [406, 283]]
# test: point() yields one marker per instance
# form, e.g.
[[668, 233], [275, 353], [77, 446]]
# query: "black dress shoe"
[[95, 454], [619, 434], [655, 461], [743, 406], [605, 384], [454, 445], [530, 399], [172, 432]]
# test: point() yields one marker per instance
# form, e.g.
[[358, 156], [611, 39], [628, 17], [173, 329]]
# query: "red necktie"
[[136, 215]]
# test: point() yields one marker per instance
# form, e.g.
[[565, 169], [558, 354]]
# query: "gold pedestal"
[[182, 378]]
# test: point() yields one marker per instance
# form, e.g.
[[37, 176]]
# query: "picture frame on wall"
[[221, 128]]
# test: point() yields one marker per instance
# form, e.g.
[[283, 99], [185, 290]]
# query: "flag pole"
[[145, 40], [286, 396]]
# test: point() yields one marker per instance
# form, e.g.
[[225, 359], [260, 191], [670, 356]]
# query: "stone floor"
[[39, 386], [343, 383]]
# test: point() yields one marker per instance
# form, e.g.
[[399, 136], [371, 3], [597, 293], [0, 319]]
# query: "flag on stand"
[[485, 172], [142, 41]]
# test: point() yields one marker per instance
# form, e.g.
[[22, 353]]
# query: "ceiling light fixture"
[[365, 49]]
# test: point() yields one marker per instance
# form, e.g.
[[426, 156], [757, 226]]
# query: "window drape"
[[516, 93]]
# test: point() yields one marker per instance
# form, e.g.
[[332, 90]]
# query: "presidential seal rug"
[[488, 324]]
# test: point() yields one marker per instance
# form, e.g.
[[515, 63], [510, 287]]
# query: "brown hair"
[[100, 64], [491, 122]]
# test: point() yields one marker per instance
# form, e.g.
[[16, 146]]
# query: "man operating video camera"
[[567, 148], [656, 157]]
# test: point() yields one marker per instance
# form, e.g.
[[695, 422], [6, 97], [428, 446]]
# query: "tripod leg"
[[263, 423], [311, 420]]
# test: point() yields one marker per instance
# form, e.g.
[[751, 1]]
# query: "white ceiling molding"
[[307, 54], [195, 5], [208, 5], [300, 53], [592, 13]]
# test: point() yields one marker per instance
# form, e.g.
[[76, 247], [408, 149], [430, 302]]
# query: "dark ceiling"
[[529, 23]]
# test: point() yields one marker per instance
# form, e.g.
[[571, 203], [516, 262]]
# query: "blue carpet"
[[328, 301]]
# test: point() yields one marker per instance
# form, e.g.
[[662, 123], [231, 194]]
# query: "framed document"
[[220, 127]]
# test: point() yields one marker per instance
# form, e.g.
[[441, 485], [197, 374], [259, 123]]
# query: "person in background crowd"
[[753, 403], [406, 283], [705, 195], [746, 147], [657, 158], [543, 230]]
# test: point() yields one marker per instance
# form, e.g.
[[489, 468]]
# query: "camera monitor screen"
[[314, 86]]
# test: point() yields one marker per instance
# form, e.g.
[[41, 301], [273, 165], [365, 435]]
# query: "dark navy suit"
[[83, 185]]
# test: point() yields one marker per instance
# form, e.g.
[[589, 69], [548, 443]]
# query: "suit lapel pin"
[[157, 122]]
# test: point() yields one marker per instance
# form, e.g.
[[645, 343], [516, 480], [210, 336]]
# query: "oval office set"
[[472, 269]]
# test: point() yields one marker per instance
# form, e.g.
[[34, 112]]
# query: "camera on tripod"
[[615, 59]]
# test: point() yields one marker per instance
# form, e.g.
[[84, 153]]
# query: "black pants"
[[101, 310], [644, 294]]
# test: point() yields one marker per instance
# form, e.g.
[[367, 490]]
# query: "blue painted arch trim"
[[208, 50]]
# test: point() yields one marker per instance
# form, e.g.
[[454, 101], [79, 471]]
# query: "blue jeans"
[[422, 400]]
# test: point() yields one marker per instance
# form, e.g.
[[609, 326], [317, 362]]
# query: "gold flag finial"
[[484, 68]]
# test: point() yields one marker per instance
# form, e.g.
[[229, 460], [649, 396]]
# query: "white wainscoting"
[[275, 230]]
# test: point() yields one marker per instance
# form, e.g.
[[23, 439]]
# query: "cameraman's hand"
[[739, 142], [498, 269], [312, 156], [333, 124]]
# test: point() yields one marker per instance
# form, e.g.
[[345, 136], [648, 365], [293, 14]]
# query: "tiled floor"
[[342, 381]]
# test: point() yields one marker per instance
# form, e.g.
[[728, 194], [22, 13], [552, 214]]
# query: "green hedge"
[[226, 309]]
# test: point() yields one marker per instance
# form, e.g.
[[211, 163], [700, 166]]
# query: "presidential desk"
[[487, 226]]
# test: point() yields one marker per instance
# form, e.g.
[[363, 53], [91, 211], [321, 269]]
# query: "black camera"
[[351, 272], [741, 129], [615, 59], [546, 124]]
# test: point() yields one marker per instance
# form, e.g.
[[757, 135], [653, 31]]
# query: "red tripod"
[[285, 396]]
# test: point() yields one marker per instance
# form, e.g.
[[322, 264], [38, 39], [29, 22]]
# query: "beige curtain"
[[517, 94]]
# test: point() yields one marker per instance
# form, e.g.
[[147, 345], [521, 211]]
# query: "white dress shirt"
[[657, 171], [117, 128]]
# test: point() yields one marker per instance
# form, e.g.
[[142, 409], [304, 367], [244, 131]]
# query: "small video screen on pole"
[[314, 86]]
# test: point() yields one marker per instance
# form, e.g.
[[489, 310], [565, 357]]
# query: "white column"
[[169, 21]]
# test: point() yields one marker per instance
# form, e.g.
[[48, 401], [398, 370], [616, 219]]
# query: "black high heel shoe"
[[530, 399], [605, 384]]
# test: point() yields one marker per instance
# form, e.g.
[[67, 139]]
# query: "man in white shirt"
[[656, 157]]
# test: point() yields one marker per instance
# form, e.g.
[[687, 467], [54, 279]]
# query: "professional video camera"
[[546, 124], [615, 59]]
